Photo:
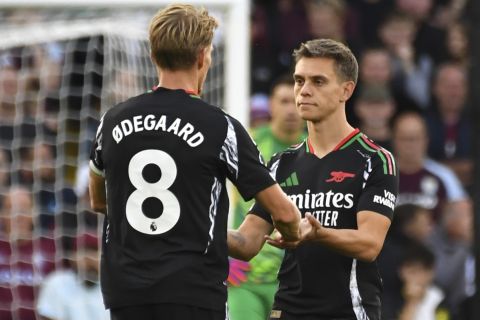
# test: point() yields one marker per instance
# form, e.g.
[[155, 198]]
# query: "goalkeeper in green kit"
[[254, 283]]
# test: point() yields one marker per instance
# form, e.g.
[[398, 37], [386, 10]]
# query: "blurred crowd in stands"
[[411, 98]]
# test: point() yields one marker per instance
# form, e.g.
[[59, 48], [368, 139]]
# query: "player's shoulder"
[[380, 156], [295, 148], [190, 102], [290, 152], [369, 146]]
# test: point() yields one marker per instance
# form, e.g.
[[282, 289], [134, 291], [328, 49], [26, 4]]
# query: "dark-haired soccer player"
[[158, 170], [343, 183]]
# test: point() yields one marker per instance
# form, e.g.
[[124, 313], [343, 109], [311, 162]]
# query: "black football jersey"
[[165, 156], [315, 281]]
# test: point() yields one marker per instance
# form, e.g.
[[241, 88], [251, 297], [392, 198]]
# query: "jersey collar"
[[347, 140], [190, 92], [341, 145]]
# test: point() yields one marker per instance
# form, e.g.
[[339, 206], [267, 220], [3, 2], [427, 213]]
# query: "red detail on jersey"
[[346, 139], [339, 176], [310, 147]]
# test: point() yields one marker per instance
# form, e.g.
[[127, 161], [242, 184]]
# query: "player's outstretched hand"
[[308, 229], [277, 240]]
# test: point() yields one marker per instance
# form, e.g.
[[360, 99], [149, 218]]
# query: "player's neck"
[[180, 79], [325, 135]]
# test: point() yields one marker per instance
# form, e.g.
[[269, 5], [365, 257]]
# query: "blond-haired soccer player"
[[344, 184], [158, 169]]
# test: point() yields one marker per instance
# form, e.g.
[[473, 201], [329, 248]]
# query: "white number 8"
[[159, 190]]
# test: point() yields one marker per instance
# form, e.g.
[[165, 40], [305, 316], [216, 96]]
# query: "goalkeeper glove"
[[237, 271]]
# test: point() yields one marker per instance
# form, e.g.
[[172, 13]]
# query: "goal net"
[[61, 66]]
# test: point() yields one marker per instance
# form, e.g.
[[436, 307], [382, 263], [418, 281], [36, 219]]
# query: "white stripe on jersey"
[[99, 135], [367, 171], [273, 169], [214, 196], [229, 153], [355, 294], [94, 168]]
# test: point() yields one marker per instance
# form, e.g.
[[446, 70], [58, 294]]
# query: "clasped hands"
[[309, 229]]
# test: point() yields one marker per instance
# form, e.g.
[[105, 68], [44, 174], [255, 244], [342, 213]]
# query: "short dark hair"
[[346, 65]]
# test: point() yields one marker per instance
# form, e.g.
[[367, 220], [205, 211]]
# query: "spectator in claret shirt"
[[25, 258], [423, 181]]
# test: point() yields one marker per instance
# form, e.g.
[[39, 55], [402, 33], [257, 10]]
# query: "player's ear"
[[347, 90], [201, 58]]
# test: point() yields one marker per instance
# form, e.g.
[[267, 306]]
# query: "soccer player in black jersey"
[[158, 169], [344, 184]]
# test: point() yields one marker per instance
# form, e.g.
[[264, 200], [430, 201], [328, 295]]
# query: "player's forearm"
[[247, 241], [353, 243], [285, 214], [288, 228], [98, 197], [240, 247], [98, 201]]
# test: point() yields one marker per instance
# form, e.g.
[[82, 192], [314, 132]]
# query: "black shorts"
[[277, 314], [166, 311]]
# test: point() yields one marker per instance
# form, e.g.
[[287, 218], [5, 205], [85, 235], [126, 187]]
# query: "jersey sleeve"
[[245, 167], [380, 186], [96, 162], [257, 209]]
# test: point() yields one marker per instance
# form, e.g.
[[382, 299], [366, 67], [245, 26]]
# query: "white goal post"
[[236, 28]]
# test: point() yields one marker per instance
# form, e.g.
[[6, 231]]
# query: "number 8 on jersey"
[[144, 189]]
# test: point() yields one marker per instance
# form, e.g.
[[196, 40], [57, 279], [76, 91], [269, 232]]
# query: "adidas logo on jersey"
[[291, 181]]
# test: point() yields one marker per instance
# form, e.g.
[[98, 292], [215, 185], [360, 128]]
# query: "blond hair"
[[177, 33]]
